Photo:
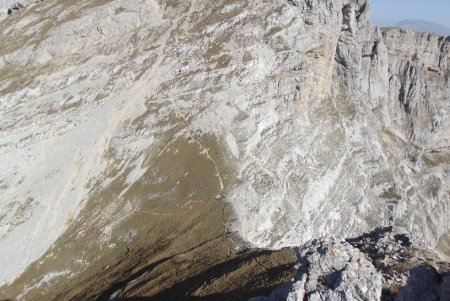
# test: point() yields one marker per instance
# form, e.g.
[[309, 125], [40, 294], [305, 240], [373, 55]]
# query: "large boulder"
[[331, 270]]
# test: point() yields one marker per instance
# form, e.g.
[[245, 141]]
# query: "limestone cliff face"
[[401, 79], [404, 77], [125, 123], [418, 81], [375, 114]]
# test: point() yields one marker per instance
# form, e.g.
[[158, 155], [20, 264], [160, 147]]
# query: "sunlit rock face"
[[301, 115], [359, 138]]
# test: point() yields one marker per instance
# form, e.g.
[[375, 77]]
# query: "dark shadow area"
[[332, 280], [368, 242], [239, 278], [424, 284], [14, 7], [106, 295], [405, 241], [374, 235], [120, 285], [252, 285]]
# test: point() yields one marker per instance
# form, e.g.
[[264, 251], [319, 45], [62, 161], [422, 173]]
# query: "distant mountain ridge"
[[424, 26]]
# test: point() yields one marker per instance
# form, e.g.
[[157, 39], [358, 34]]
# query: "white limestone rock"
[[331, 270]]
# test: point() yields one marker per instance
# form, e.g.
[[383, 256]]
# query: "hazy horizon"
[[390, 12]]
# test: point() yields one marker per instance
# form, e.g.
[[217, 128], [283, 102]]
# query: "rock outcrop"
[[132, 131], [330, 270], [385, 264]]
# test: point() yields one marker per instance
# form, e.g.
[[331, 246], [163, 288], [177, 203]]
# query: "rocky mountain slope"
[[145, 131]]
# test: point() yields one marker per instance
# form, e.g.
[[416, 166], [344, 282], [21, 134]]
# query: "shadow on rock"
[[425, 283]]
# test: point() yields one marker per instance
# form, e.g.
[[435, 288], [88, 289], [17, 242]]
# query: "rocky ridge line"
[[385, 264]]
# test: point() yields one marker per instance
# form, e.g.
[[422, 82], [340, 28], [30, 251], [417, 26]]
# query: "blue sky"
[[390, 12]]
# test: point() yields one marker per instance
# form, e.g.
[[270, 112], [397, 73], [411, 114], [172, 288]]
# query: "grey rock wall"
[[399, 79]]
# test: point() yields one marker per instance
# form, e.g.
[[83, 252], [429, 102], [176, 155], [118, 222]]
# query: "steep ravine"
[[206, 150]]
